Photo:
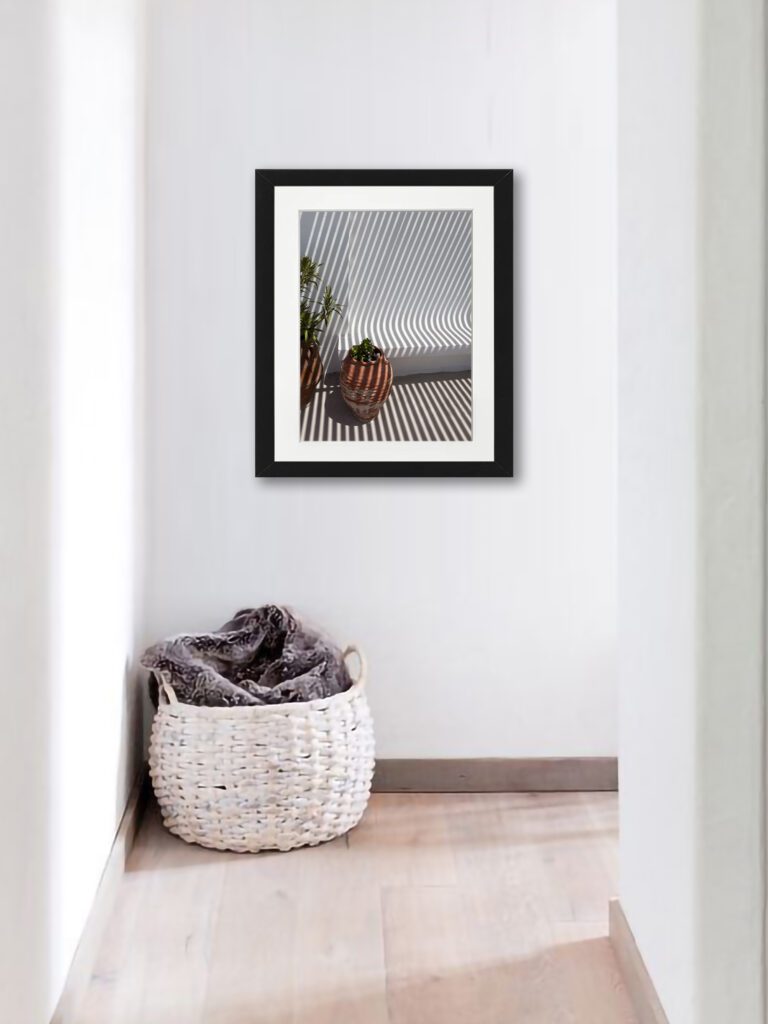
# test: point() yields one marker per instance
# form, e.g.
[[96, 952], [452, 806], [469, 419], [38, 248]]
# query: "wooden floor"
[[437, 909]]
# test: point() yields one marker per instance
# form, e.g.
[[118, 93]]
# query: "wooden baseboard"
[[637, 980], [83, 962], [496, 775]]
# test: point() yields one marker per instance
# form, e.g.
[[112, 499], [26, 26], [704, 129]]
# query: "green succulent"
[[365, 351]]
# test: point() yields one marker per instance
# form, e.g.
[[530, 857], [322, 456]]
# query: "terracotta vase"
[[365, 387], [311, 372]]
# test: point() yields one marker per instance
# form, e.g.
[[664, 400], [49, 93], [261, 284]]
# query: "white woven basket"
[[270, 777]]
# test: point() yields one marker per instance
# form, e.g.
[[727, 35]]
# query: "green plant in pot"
[[365, 351], [366, 379], [315, 314]]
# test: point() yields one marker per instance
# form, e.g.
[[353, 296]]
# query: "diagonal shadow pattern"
[[422, 407]]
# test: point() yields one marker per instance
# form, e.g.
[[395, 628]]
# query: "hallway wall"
[[71, 99], [487, 608], [692, 500], [26, 309]]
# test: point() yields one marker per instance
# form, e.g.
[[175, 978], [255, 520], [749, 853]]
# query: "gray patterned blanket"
[[261, 656]]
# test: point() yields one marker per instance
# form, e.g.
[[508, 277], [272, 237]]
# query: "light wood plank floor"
[[437, 909]]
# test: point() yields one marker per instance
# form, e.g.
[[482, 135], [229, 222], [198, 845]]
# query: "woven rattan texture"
[[263, 778]]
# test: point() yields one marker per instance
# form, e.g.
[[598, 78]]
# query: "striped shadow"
[[404, 278], [424, 407]]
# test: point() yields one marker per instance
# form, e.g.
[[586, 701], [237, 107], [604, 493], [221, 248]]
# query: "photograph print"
[[385, 306], [390, 281]]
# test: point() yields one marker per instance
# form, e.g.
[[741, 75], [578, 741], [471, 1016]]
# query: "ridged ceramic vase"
[[365, 387]]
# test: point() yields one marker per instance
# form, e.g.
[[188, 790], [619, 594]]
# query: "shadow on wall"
[[518, 289], [403, 278], [517, 293]]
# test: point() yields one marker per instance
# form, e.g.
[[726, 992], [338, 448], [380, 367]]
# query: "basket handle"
[[361, 675], [164, 689]]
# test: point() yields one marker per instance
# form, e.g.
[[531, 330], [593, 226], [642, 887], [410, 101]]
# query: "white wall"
[[691, 499], [70, 309], [99, 265], [657, 491], [25, 507], [486, 607]]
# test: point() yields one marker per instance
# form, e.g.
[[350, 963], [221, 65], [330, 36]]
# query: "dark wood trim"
[[637, 980], [496, 775]]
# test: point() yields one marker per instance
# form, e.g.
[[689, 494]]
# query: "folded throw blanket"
[[261, 656]]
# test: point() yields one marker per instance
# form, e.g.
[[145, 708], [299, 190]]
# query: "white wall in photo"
[[487, 608], [324, 238], [404, 278]]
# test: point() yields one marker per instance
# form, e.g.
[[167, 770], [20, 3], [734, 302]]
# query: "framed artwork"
[[384, 312]]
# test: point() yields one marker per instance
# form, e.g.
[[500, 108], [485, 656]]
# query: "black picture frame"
[[503, 386]]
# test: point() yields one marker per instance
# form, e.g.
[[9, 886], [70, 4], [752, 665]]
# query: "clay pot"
[[365, 387], [311, 372]]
